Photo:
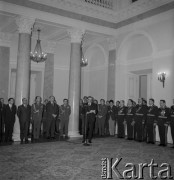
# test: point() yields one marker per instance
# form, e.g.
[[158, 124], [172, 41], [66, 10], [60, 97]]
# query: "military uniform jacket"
[[65, 112], [37, 111], [102, 110], [152, 114], [130, 113], [163, 115], [52, 109], [121, 112], [140, 114], [24, 113]]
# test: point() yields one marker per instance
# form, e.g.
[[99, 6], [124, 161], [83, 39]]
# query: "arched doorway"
[[94, 76], [134, 67]]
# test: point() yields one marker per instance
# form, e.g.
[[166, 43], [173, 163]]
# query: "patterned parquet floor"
[[70, 160]]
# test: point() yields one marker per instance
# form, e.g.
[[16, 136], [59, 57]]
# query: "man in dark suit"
[[163, 121], [152, 114], [52, 111], [90, 114], [10, 112], [24, 115]]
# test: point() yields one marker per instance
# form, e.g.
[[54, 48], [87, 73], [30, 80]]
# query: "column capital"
[[76, 35], [112, 43], [25, 24], [51, 46]]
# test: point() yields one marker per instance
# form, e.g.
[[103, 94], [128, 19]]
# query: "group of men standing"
[[50, 116], [140, 119], [94, 119]]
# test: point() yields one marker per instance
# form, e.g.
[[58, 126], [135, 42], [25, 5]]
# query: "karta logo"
[[111, 170]]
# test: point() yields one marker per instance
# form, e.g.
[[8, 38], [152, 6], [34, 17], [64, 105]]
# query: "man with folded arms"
[[152, 114], [163, 121]]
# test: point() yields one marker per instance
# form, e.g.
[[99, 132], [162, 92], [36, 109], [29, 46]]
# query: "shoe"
[[66, 137], [61, 138], [83, 141], [89, 141], [161, 145], [26, 141], [21, 142]]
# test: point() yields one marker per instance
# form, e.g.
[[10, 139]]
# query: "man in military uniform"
[[65, 111], [172, 122], [130, 112], [36, 117], [140, 117], [163, 121], [24, 115], [101, 116], [152, 113], [52, 111]]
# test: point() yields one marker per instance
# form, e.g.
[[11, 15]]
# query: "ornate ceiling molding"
[[24, 24], [76, 35], [80, 7]]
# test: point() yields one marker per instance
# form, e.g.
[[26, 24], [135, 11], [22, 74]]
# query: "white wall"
[[148, 47]]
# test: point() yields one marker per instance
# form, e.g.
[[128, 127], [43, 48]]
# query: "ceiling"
[[49, 31]]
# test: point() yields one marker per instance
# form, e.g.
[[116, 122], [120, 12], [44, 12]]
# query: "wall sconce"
[[162, 77]]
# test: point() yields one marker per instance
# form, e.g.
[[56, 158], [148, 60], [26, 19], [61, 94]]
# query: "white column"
[[23, 65], [75, 80]]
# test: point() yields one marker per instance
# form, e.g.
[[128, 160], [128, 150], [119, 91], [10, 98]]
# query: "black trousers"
[[9, 130], [139, 129], [89, 126], [50, 127], [150, 132], [24, 126], [162, 131], [130, 129], [121, 131]]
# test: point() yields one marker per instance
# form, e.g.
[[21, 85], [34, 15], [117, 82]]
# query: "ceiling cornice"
[[97, 15]]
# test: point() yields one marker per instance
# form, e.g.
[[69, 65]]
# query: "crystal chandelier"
[[38, 55], [84, 61]]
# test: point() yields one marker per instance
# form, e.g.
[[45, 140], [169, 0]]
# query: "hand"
[[133, 122], [165, 125], [54, 115]]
